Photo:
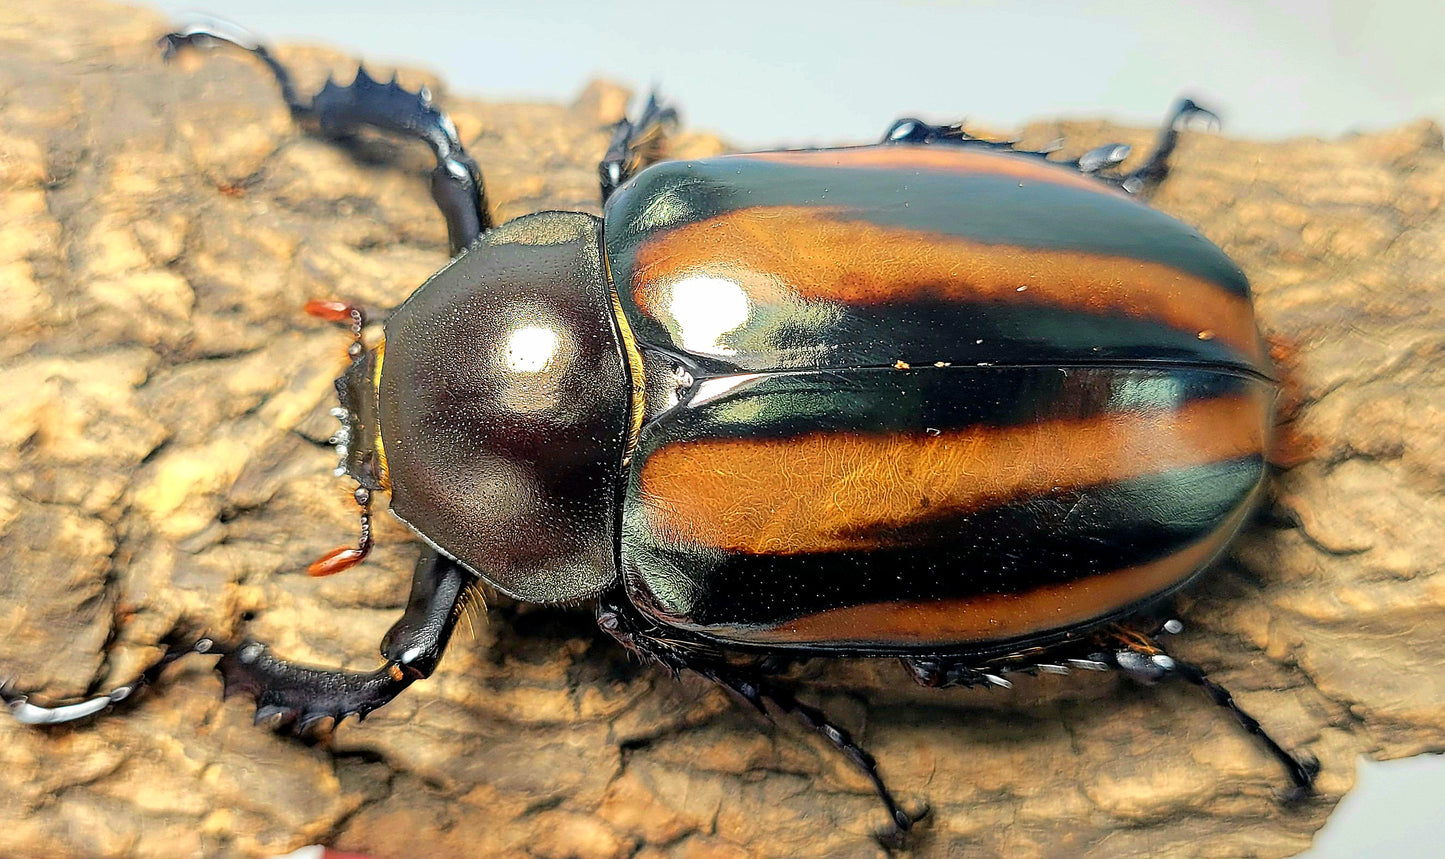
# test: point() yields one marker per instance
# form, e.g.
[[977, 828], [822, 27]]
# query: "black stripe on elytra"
[[883, 401], [827, 334], [1050, 539], [984, 207]]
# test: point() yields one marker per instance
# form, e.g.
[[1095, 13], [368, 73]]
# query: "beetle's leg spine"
[[340, 111], [1098, 162]]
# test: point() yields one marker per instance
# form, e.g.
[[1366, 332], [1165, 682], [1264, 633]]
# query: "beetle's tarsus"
[[217, 34], [28, 713], [904, 824], [1302, 769], [636, 144], [1156, 169], [341, 111]]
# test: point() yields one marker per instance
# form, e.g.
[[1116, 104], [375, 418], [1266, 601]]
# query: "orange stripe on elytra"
[[996, 617], [782, 256], [841, 491], [938, 159]]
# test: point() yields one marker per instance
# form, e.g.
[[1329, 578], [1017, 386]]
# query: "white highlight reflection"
[[711, 389], [705, 309], [530, 349]]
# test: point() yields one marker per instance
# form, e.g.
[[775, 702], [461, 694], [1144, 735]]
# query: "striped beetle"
[[940, 399]]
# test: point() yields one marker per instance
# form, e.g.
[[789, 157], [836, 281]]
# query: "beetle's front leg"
[[301, 696], [340, 111]]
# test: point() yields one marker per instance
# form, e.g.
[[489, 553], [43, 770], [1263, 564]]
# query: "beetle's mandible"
[[939, 399]]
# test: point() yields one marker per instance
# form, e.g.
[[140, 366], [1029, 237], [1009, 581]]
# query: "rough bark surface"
[[163, 465]]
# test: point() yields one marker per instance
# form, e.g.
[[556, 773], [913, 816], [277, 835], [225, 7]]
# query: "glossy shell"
[[924, 398], [504, 409]]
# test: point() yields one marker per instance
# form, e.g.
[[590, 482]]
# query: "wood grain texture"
[[162, 463]]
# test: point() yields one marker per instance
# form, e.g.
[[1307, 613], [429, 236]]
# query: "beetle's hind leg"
[[1095, 162], [1101, 161], [1142, 657], [636, 144], [617, 617], [1098, 162], [1134, 653], [341, 111], [1156, 168]]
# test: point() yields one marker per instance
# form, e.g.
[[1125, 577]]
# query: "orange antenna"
[[341, 311], [345, 557]]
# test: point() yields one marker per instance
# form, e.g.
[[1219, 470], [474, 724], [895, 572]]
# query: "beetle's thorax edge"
[[380, 351]]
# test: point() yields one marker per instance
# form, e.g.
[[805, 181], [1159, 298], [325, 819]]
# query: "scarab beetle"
[[938, 399]]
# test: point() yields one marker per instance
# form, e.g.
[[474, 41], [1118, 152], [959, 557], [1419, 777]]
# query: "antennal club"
[[341, 311], [345, 557]]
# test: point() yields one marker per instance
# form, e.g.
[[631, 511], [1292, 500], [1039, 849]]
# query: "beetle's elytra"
[[936, 398]]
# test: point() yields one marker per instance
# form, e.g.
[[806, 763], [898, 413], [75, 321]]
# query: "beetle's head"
[[498, 411], [358, 442]]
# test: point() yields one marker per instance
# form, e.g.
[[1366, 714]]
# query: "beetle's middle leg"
[[636, 144], [617, 617], [341, 111]]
